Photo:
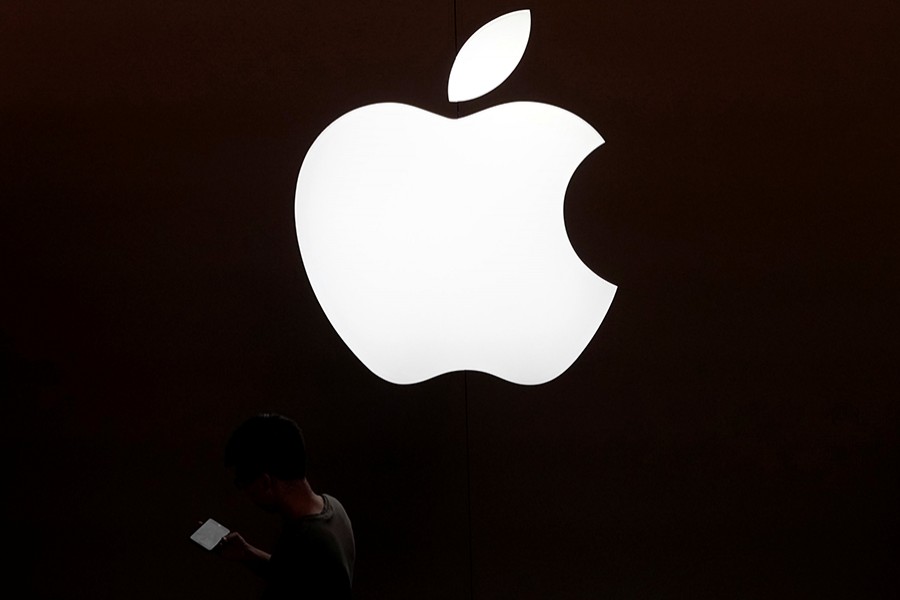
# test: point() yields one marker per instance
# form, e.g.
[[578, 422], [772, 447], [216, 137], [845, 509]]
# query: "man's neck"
[[301, 501]]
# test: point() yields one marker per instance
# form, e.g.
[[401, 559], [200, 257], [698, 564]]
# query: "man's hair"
[[267, 443]]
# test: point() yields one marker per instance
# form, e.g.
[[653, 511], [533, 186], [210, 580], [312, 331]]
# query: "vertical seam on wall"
[[465, 384], [469, 488], [455, 44]]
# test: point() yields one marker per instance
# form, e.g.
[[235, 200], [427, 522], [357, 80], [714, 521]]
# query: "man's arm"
[[234, 547]]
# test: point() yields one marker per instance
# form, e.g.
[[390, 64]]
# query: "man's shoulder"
[[332, 516], [334, 505]]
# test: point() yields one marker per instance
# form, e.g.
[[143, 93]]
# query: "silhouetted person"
[[313, 557]]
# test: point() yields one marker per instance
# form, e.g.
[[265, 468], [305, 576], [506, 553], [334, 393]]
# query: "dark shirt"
[[313, 558]]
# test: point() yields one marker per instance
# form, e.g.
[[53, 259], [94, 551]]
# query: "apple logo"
[[437, 245]]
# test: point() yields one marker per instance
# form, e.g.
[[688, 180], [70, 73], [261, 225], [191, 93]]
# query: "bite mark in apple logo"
[[437, 245]]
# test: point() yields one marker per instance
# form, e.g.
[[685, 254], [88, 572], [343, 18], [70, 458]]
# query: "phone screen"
[[209, 534]]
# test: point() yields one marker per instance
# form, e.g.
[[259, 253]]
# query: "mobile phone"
[[209, 534]]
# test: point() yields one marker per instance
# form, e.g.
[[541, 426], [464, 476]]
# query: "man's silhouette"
[[313, 558]]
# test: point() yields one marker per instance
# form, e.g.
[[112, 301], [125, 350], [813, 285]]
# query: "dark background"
[[730, 432]]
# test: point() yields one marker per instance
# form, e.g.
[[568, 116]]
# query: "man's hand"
[[234, 547]]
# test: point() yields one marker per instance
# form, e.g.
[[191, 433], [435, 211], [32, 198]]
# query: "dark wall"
[[730, 432]]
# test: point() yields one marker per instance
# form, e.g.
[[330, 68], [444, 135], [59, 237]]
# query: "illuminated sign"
[[437, 245]]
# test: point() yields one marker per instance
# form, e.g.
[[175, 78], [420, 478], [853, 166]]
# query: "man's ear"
[[266, 482]]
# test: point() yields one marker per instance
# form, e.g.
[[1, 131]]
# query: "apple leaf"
[[489, 56]]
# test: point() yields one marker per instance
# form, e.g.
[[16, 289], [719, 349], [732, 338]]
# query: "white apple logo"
[[438, 245]]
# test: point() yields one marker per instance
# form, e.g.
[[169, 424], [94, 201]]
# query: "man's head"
[[266, 450]]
